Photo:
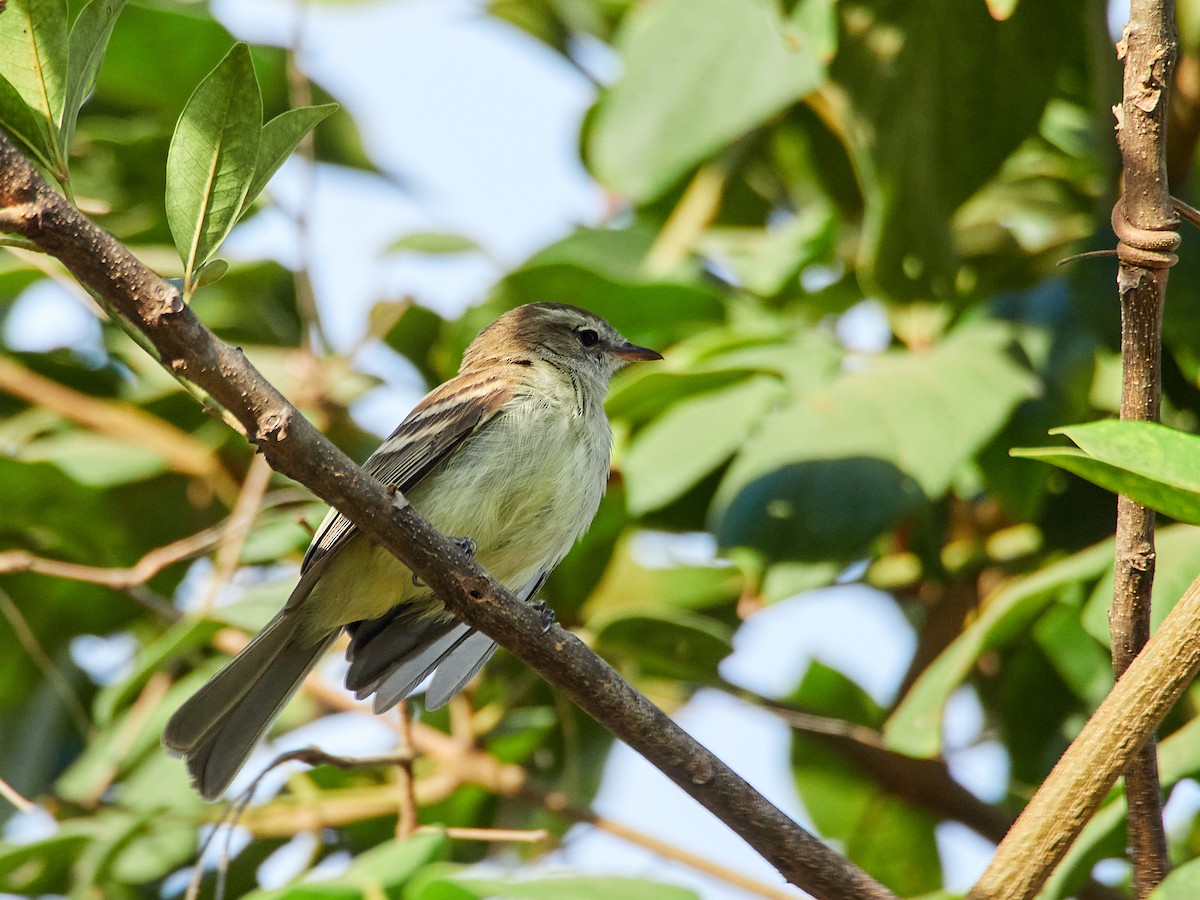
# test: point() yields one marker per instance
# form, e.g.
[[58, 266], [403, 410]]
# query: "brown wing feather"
[[437, 425]]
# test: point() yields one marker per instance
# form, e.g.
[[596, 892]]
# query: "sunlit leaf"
[[88, 42], [697, 75], [212, 159], [433, 242], [33, 60], [665, 459], [279, 138], [1155, 465], [915, 727], [830, 472]]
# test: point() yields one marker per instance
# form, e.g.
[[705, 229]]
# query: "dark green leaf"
[[211, 161], [826, 475], [891, 840], [665, 643], [919, 73]]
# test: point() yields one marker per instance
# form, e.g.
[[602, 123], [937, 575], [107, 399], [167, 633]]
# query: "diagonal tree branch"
[[30, 208]]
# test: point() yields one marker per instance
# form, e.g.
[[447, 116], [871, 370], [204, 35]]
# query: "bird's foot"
[[465, 544], [547, 614]]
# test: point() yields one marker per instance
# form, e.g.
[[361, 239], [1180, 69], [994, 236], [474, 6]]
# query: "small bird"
[[512, 454]]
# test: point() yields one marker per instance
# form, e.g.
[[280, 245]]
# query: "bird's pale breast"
[[524, 487]]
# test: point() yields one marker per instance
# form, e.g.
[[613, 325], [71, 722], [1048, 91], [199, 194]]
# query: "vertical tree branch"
[[1148, 47]]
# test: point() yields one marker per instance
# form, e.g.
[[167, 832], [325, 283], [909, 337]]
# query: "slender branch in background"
[[9, 793], [406, 817], [926, 783], [144, 569], [1145, 223], [1078, 784], [121, 420], [52, 673], [236, 528], [31, 208], [461, 762]]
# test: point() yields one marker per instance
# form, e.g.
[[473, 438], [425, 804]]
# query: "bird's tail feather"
[[216, 729]]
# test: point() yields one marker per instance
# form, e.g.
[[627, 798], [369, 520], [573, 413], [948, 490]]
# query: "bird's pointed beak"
[[634, 353]]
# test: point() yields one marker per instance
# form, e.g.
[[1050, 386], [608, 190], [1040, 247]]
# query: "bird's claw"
[[465, 544], [547, 614]]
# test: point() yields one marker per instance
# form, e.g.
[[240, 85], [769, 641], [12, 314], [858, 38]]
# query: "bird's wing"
[[446, 417]]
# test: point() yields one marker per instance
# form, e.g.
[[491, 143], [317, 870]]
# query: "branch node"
[[274, 427], [1144, 248], [167, 301]]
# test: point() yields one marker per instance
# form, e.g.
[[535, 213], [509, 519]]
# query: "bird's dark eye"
[[587, 337]]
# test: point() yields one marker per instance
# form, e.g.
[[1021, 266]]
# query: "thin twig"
[[406, 817], [501, 835], [10, 793], [124, 421], [27, 638], [236, 528]]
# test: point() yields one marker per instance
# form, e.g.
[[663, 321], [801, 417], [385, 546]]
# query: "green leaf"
[[96, 460], [210, 164], [665, 642], [33, 59], [697, 74], [24, 126], [828, 474], [574, 887], [433, 242], [1182, 884], [1155, 465], [920, 146], [665, 459], [88, 41], [891, 840], [381, 869], [278, 139], [42, 867], [915, 727], [1177, 560]]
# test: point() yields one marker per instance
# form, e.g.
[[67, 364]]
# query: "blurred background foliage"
[[839, 219]]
